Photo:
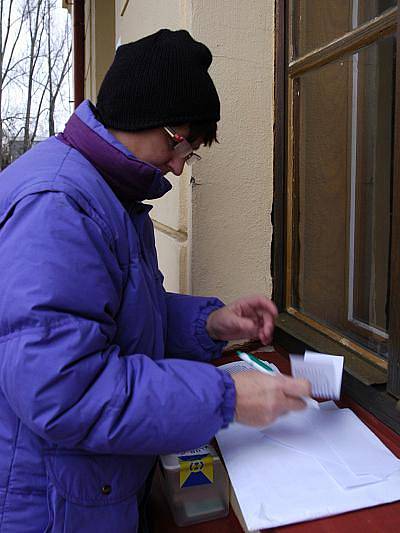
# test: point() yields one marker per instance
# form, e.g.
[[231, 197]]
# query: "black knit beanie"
[[159, 80]]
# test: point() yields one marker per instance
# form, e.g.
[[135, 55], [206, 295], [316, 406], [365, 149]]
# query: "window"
[[336, 212]]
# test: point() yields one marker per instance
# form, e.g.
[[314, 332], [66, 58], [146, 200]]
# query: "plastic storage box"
[[196, 485]]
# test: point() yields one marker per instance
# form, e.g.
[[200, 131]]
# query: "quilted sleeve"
[[187, 335]]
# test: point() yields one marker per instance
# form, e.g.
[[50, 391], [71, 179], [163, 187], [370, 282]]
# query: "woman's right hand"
[[260, 398]]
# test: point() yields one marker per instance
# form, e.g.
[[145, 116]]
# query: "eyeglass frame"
[[183, 148]]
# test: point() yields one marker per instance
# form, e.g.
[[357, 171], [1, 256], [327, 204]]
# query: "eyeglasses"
[[182, 148]]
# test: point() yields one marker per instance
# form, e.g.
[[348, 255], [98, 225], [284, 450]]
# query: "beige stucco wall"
[[214, 235], [231, 228], [99, 43]]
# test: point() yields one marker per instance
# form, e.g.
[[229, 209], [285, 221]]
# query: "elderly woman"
[[101, 369]]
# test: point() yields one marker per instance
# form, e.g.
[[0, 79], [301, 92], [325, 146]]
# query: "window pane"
[[316, 23], [344, 137], [370, 195]]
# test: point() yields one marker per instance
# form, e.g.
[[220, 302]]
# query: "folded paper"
[[307, 465]]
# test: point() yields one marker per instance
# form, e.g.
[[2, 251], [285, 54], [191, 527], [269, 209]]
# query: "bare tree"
[[36, 24], [11, 26], [35, 60], [58, 62]]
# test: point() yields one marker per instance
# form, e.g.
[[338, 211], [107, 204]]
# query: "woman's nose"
[[176, 165]]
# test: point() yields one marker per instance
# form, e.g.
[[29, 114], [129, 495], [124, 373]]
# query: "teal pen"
[[256, 363]]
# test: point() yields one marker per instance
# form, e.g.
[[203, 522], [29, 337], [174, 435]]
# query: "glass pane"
[[344, 132], [371, 186], [315, 23]]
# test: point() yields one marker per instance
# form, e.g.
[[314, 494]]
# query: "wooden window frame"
[[365, 371]]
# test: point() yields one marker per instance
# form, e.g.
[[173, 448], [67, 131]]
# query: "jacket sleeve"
[[60, 290], [187, 335]]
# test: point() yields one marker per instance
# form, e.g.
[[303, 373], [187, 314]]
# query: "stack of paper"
[[322, 370], [307, 465]]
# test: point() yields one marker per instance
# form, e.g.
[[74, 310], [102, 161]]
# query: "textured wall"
[[232, 200], [99, 43], [142, 17]]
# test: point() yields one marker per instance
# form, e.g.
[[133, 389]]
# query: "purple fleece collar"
[[129, 178]]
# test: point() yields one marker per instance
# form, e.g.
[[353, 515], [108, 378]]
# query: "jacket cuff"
[[203, 338], [229, 405]]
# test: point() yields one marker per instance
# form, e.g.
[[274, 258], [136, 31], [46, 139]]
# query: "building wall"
[[232, 200], [213, 230], [99, 43]]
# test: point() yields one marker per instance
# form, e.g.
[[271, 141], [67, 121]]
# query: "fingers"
[[269, 317], [296, 388], [266, 330], [270, 307], [267, 312], [265, 304], [285, 405], [295, 404], [263, 313], [261, 399]]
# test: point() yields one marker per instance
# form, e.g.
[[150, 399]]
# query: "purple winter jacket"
[[93, 377]]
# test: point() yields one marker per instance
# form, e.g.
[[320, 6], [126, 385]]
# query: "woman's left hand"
[[249, 317]]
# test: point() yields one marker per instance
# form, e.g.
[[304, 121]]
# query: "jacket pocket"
[[93, 492]]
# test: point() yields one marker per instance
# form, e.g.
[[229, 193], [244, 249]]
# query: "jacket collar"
[[130, 178]]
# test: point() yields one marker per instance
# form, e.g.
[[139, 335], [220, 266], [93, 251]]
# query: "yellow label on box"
[[195, 470]]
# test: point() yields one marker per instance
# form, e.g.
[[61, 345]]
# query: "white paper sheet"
[[342, 444], [337, 362], [308, 465], [324, 372]]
